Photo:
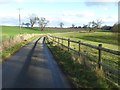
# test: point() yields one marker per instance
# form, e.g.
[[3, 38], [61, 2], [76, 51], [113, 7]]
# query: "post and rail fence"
[[100, 64]]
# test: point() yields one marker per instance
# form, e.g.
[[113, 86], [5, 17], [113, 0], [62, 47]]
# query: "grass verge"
[[78, 74], [11, 50]]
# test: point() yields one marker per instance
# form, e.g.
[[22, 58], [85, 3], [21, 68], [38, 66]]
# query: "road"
[[33, 66]]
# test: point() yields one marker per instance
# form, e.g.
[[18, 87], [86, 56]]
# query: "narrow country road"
[[33, 66]]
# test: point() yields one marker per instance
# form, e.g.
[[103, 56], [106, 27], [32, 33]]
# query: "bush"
[[116, 28]]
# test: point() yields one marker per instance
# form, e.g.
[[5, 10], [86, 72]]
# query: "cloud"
[[52, 1], [9, 13], [77, 18], [9, 21], [81, 14], [100, 2], [5, 1], [10, 1], [109, 20]]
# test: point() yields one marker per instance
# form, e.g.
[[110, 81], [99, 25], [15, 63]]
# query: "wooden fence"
[[101, 66]]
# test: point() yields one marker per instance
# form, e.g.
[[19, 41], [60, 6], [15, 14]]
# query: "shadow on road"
[[24, 70], [33, 67]]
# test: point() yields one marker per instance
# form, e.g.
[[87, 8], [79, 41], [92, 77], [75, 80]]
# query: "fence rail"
[[92, 46], [99, 62]]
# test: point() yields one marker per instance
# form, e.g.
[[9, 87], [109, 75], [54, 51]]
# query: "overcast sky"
[[69, 12]]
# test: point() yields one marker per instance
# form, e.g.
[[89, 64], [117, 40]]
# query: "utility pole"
[[19, 19]]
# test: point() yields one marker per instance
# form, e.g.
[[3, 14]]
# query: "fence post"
[[79, 45], [99, 57], [62, 42], [58, 41], [53, 40], [68, 44]]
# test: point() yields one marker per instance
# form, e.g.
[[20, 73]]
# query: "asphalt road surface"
[[33, 66]]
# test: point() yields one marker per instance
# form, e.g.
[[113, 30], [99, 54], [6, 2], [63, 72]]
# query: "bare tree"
[[33, 19], [94, 25], [61, 24], [73, 25], [42, 23], [98, 23], [90, 26], [85, 26]]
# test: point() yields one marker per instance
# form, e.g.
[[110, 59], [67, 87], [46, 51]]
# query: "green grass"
[[11, 31], [108, 39], [79, 75]]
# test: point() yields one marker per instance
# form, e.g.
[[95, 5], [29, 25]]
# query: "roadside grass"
[[78, 74], [107, 39], [6, 53]]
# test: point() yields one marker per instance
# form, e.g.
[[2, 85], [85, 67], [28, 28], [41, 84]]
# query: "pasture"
[[11, 31], [107, 39]]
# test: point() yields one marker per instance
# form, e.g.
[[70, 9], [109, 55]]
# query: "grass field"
[[11, 31], [107, 39]]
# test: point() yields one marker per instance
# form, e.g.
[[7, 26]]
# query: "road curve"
[[33, 66]]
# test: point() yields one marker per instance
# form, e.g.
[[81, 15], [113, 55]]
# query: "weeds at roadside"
[[12, 49], [80, 75]]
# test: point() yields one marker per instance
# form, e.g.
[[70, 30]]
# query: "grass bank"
[[7, 52]]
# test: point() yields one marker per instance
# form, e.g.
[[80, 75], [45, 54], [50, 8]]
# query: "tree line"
[[91, 26]]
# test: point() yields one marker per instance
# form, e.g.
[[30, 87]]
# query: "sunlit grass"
[[11, 31], [107, 39]]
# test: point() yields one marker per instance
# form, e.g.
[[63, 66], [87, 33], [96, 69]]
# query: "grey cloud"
[[95, 3], [11, 20], [6, 1], [100, 3]]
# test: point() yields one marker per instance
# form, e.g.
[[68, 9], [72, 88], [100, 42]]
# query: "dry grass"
[[11, 45], [14, 40]]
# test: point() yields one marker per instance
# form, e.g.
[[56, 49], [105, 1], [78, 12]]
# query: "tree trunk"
[[41, 29], [32, 26]]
